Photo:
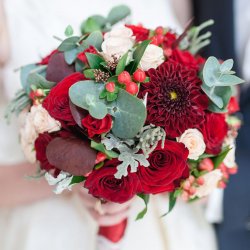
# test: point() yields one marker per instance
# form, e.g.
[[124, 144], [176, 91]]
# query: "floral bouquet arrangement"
[[127, 110]]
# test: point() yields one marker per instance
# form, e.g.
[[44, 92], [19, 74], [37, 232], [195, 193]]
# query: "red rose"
[[41, 144], [187, 59], [82, 56], [45, 60], [233, 105], [139, 32], [167, 167], [57, 102], [97, 126], [102, 183], [214, 130]]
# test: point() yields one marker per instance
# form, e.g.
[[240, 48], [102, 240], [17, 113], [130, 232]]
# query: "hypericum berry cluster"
[[131, 86]]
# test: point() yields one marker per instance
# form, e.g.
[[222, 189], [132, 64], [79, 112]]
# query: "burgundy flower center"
[[174, 98]]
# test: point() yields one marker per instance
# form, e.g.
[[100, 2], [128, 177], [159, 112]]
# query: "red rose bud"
[[100, 157], [159, 30], [139, 75], [233, 105], [110, 87], [206, 165], [124, 77], [132, 88], [200, 181]]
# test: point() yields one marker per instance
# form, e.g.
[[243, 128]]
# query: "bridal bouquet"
[[127, 110]]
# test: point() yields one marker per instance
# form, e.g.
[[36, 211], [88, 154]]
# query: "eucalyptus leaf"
[[95, 39], [80, 93], [69, 43], [25, 71], [71, 55], [69, 31], [211, 71], [90, 25], [229, 80], [118, 13], [37, 80], [227, 65], [94, 60], [129, 115], [137, 55]]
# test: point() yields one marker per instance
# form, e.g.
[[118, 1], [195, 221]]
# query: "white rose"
[[229, 160], [42, 121], [194, 142], [211, 180], [28, 136], [152, 57], [117, 42]]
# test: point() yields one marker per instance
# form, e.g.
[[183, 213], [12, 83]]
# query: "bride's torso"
[[61, 223]]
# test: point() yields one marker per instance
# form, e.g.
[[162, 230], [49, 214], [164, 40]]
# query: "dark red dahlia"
[[175, 100]]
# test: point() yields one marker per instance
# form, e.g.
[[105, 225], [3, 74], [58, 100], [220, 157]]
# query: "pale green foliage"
[[217, 82]]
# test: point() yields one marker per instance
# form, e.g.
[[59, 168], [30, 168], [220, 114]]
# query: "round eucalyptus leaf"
[[98, 110]]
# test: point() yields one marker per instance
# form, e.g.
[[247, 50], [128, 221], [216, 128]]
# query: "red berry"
[[206, 165], [191, 179], [139, 75], [100, 157], [124, 77], [233, 170], [222, 184], [159, 30], [110, 87], [132, 88], [186, 185], [192, 191], [168, 52]]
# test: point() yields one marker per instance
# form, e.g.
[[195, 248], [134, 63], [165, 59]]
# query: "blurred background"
[[32, 217]]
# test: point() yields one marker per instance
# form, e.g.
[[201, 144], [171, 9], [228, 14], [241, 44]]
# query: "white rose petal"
[[152, 57], [211, 180], [117, 42], [43, 122], [194, 142]]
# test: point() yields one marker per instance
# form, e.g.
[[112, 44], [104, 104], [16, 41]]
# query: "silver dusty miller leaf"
[[132, 159]]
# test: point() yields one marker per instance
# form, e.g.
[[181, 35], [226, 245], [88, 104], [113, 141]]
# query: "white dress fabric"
[[61, 223]]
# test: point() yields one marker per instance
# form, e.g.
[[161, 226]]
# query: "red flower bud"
[[139, 75], [110, 87], [159, 30], [124, 77], [100, 157]]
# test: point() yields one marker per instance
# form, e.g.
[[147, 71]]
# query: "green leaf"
[[145, 198], [111, 96], [98, 110], [69, 43], [99, 165], [90, 25], [220, 158], [227, 65], [89, 73], [37, 80], [94, 60], [25, 71], [71, 55], [129, 115], [95, 39], [171, 203], [138, 53], [100, 147], [69, 31], [80, 94], [229, 80], [121, 64], [118, 13], [77, 179]]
